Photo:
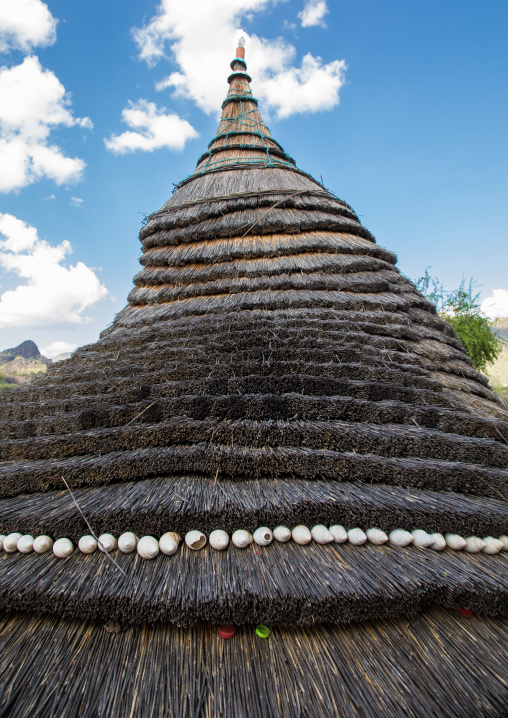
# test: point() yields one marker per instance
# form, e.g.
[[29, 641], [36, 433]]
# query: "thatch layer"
[[283, 584], [182, 503], [434, 664]]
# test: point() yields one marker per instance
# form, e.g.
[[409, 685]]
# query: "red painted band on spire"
[[240, 52]]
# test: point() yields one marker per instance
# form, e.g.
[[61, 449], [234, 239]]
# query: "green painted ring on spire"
[[239, 75]]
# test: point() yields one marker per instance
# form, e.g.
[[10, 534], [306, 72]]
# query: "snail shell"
[[339, 533], [357, 537], [168, 543], [455, 542], [376, 536], [320, 534], [439, 542], [87, 544], [281, 534], [503, 539], [474, 544], [219, 540], [301, 535], [127, 542], [63, 548], [399, 537], [241, 538], [492, 545], [42, 544], [107, 543], [11, 542], [148, 547], [26, 544], [262, 536], [195, 540], [422, 538]]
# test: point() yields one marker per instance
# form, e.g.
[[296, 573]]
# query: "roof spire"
[[242, 140], [240, 50]]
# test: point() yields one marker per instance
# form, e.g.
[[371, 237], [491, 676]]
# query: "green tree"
[[461, 308]]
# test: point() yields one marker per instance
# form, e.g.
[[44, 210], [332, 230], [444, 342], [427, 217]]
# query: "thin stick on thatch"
[[269, 210], [141, 413], [91, 529]]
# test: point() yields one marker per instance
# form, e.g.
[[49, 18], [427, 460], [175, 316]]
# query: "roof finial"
[[240, 50]]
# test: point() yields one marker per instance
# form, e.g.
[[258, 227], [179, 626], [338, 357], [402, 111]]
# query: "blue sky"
[[400, 107]]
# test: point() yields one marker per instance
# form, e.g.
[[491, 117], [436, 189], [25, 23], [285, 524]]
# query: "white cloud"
[[313, 13], [155, 130], [50, 196], [77, 201], [25, 24], [53, 293], [56, 348], [201, 35], [33, 102], [496, 305], [307, 88]]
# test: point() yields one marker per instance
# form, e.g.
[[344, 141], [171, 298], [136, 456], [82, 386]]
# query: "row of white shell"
[[148, 547]]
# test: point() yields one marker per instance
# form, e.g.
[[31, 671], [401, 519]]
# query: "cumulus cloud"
[[56, 348], [313, 13], [33, 102], [52, 293], [154, 129], [76, 201], [496, 305], [25, 24], [185, 29]]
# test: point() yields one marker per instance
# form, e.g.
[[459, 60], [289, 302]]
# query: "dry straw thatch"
[[272, 366]]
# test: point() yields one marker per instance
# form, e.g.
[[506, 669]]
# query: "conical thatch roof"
[[272, 367]]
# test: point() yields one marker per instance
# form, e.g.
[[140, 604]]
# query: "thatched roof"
[[272, 367]]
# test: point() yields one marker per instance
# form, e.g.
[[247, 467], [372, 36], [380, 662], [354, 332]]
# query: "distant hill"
[[20, 364], [501, 327], [27, 350], [498, 372]]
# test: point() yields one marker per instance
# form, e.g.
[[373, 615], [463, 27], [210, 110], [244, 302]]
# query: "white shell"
[[399, 537], [455, 542], [376, 536], [281, 534], [176, 537], [301, 535], [339, 533], [218, 540], [168, 544], [107, 543], [262, 536], [148, 547], [127, 542], [2, 537], [11, 542], [320, 534], [87, 544], [357, 537], [195, 540], [42, 544], [492, 545], [26, 544], [474, 544], [241, 538], [421, 538], [503, 539], [439, 542], [63, 548]]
